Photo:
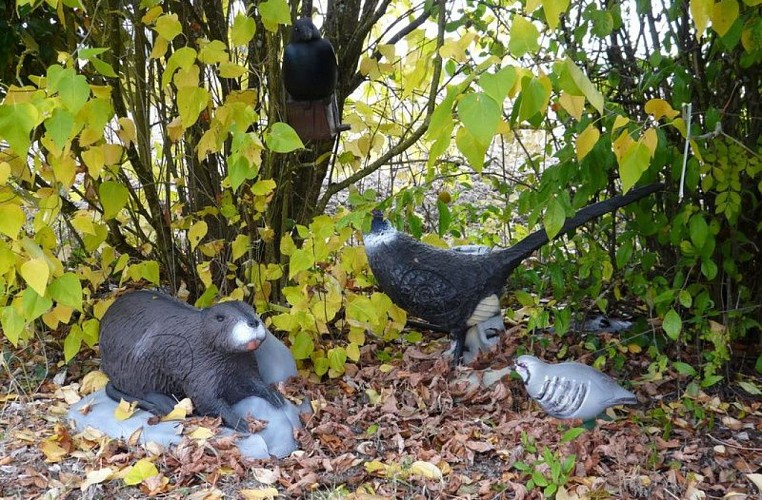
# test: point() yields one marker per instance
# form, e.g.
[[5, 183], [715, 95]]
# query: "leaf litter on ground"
[[409, 427]]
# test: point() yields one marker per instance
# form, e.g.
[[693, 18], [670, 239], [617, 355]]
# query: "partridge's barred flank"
[[570, 390]]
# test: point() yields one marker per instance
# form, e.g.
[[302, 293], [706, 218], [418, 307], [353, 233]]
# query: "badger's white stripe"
[[488, 307]]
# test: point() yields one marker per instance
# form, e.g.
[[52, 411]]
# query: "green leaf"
[[534, 98], [60, 127], [698, 229], [214, 52], [90, 331], [441, 126], [142, 470], [239, 170], [481, 115], [150, 271], [13, 324], [67, 290], [191, 101], [684, 368], [572, 434], [321, 366], [301, 260], [72, 89], [685, 298], [445, 218], [72, 343], [181, 59], [710, 380], [281, 138], [113, 197], [585, 85], [243, 29], [708, 268], [16, 123], [274, 12], [303, 345], [554, 219], [168, 26], [750, 387], [672, 324], [634, 162], [34, 305], [524, 37], [471, 148], [337, 357], [103, 68], [499, 84], [12, 219]]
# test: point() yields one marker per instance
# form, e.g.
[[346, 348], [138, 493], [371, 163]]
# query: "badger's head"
[[234, 327]]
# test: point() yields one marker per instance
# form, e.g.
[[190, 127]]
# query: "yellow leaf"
[[94, 160], [112, 154], [660, 108], [456, 49], [150, 16], [700, 11], [620, 121], [587, 140], [183, 408], [634, 348], [127, 133], [650, 139], [35, 272], [426, 469], [374, 466], [175, 130], [231, 70], [52, 451], [573, 104], [142, 470], [5, 172], [93, 381], [385, 368], [622, 144], [240, 246], [160, 46], [196, 233], [553, 10], [388, 51], [201, 433], [532, 5], [12, 219], [204, 273], [259, 493], [723, 15], [96, 477], [124, 410]]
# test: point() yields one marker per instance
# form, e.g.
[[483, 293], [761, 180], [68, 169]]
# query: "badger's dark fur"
[[156, 349]]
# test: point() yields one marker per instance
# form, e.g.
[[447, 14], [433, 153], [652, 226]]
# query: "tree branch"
[[402, 146]]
